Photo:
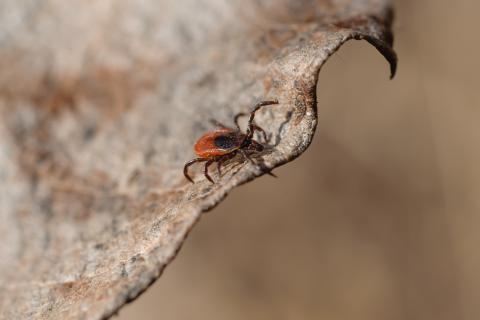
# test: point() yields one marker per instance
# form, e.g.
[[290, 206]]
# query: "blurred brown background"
[[379, 219]]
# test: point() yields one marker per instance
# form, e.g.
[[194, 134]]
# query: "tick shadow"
[[281, 127], [235, 165]]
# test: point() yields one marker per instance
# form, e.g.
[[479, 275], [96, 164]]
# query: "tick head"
[[254, 145]]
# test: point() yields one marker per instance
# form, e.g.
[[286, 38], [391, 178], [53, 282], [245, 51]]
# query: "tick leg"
[[237, 116], [207, 164], [219, 165], [188, 164], [270, 173], [247, 156], [264, 134], [218, 124], [251, 126], [220, 160]]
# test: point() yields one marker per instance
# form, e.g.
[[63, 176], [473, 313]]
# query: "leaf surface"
[[100, 105]]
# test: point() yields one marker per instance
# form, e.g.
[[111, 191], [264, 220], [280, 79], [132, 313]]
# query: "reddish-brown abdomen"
[[217, 143]]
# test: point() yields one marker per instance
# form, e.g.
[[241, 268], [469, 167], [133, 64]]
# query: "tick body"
[[218, 143], [224, 143]]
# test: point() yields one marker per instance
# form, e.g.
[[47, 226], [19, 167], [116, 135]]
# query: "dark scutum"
[[226, 142]]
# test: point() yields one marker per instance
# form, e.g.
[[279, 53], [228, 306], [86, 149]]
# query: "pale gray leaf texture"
[[100, 105]]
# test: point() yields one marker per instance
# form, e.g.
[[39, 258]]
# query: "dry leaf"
[[100, 104]]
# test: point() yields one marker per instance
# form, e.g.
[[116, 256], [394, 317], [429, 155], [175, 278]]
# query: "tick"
[[224, 143]]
